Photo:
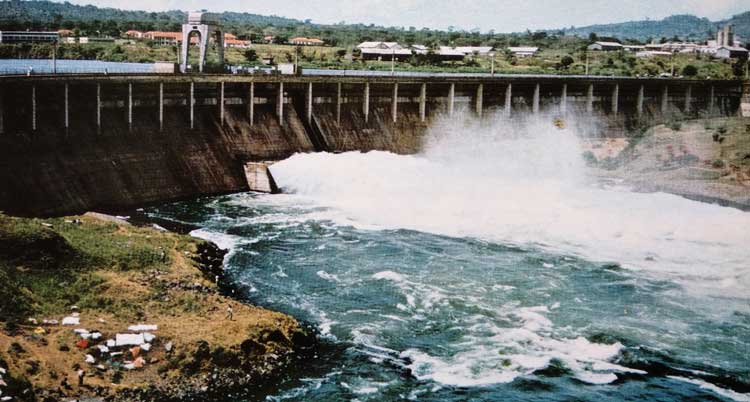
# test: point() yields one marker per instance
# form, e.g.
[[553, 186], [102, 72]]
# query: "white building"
[[605, 46], [467, 50], [523, 51], [731, 52], [652, 53], [28, 36]]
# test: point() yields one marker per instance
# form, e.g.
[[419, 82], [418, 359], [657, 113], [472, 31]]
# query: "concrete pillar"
[[191, 101], [394, 104], [688, 98], [98, 106], [423, 102], [280, 104], [564, 99], [639, 102], [251, 104], [590, 99], [66, 106], [33, 107], [616, 99], [535, 104], [665, 99], [480, 99], [130, 105], [508, 99], [366, 103], [338, 103], [451, 99], [711, 101], [309, 103], [161, 106], [221, 103]]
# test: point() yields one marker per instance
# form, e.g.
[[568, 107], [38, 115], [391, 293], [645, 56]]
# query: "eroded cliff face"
[[51, 172]]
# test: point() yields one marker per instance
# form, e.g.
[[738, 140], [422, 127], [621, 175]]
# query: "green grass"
[[44, 270], [547, 61]]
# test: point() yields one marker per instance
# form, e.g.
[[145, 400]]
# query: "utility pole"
[[296, 59], [587, 62], [672, 75], [54, 57], [492, 64], [393, 61]]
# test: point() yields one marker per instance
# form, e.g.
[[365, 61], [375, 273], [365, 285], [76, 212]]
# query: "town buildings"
[[523, 51], [605, 46], [29, 36], [302, 41]]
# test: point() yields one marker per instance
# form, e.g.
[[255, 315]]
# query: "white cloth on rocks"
[[129, 339], [142, 327]]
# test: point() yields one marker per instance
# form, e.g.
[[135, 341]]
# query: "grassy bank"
[[119, 275], [562, 58]]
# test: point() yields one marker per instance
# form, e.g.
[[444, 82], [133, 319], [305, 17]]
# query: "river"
[[491, 267]]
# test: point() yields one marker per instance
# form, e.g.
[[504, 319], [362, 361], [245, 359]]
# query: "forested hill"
[[682, 26], [92, 20], [46, 15]]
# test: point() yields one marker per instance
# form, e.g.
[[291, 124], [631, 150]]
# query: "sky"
[[498, 15]]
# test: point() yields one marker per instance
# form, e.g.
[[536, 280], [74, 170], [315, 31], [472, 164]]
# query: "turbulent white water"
[[472, 320], [525, 184]]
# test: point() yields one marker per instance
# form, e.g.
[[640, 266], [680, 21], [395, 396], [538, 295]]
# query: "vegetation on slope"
[[118, 275]]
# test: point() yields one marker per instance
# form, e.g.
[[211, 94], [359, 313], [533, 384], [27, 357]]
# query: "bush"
[[690, 71], [566, 62], [251, 55], [675, 126]]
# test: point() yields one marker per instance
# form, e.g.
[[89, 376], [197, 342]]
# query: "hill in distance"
[[39, 14], [683, 26]]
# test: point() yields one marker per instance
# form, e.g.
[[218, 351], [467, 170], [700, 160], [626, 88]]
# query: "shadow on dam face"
[[71, 147]]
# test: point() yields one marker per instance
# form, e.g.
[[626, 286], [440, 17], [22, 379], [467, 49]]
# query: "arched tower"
[[203, 25]]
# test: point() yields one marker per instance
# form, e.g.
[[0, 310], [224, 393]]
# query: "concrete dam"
[[71, 143]]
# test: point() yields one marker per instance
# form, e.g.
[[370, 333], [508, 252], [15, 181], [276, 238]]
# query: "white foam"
[[524, 185], [728, 393], [515, 351], [389, 275], [329, 277]]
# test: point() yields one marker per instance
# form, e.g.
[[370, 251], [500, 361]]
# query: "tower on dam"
[[203, 25]]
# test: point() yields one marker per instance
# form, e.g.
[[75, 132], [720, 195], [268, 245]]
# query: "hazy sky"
[[500, 15]]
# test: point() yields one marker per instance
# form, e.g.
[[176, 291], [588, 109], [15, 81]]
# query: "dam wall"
[[78, 143]]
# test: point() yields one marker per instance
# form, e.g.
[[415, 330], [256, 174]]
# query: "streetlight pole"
[[492, 64]]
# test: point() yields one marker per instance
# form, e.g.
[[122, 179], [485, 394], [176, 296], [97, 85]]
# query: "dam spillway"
[[77, 142]]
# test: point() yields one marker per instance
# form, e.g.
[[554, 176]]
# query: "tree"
[[690, 71], [566, 61], [593, 37], [251, 55], [738, 68]]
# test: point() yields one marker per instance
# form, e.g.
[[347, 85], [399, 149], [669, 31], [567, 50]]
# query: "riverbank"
[[106, 278], [706, 160]]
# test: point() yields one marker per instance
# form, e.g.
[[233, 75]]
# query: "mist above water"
[[524, 183]]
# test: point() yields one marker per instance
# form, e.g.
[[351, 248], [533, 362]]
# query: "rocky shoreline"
[[703, 160], [203, 345]]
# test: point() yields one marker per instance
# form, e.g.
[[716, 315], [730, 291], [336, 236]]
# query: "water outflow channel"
[[490, 268]]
